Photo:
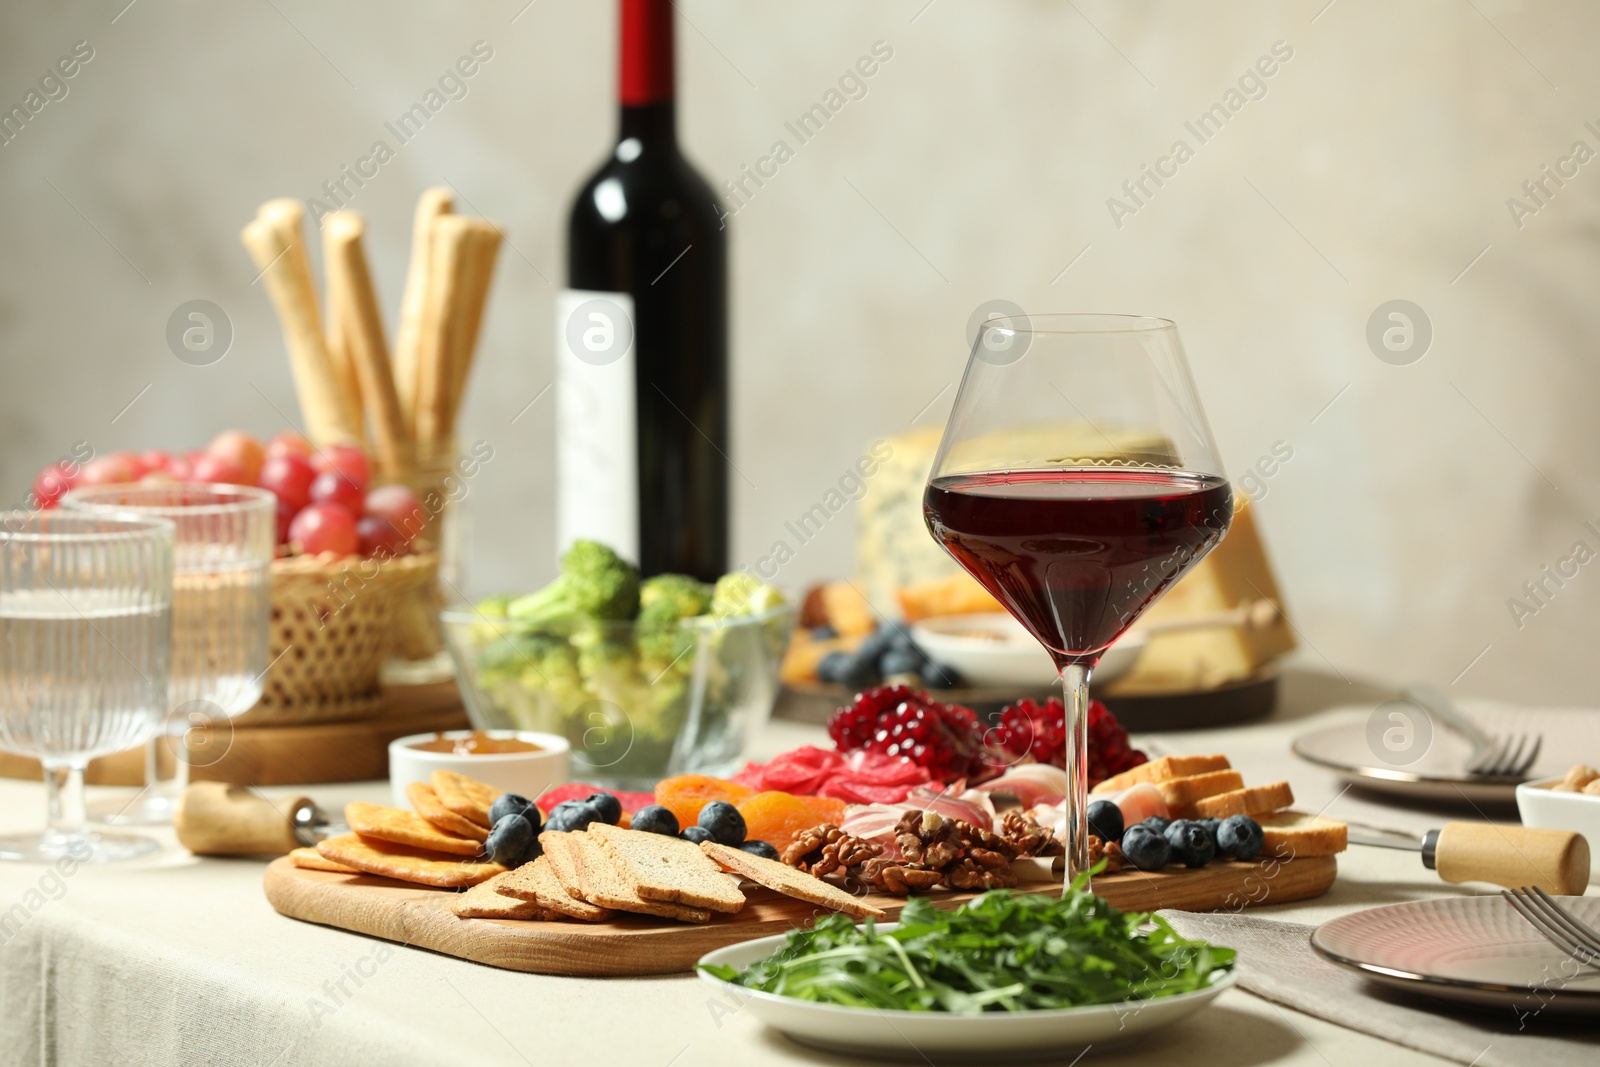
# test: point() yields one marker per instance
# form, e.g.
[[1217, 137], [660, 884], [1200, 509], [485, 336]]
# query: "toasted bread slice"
[[1162, 770], [1179, 793], [485, 901], [668, 869], [1294, 833], [424, 798], [1255, 800], [587, 873], [538, 882], [404, 827], [782, 878]]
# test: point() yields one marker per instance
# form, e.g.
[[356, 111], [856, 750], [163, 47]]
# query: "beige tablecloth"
[[181, 960]]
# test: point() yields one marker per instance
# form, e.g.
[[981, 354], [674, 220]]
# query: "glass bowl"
[[636, 705]]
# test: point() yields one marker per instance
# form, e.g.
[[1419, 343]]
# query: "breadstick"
[[361, 326], [433, 203], [289, 287], [482, 247], [439, 332], [336, 327]]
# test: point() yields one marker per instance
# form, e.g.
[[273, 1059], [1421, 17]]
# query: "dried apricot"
[[828, 809], [777, 818], [686, 794]]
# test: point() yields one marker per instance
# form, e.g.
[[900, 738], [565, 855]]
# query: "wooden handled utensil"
[[1556, 861], [218, 819]]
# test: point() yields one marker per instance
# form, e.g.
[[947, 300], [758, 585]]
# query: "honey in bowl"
[[477, 743]]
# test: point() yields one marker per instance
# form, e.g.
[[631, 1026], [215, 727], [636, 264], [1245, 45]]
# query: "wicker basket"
[[333, 625]]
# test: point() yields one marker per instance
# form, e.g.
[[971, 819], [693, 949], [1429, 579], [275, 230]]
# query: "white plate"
[[923, 1034], [993, 649], [1474, 950]]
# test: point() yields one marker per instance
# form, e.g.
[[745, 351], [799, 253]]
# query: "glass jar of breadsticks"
[[346, 623]]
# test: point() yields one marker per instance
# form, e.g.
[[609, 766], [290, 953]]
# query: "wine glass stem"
[[1075, 693], [63, 790]]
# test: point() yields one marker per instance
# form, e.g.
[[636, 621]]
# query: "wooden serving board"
[[640, 945]]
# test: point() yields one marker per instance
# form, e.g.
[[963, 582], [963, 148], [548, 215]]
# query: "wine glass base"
[[51, 847], [151, 808]]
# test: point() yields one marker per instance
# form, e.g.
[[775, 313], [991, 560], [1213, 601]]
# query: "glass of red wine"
[[1077, 480]]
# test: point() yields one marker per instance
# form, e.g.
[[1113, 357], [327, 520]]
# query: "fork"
[[1556, 924], [1507, 755]]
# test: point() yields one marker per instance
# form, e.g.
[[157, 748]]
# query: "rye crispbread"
[[1254, 800], [668, 869], [467, 798], [596, 879], [401, 827], [406, 864], [486, 901], [537, 881], [312, 860], [1294, 833], [426, 800], [1163, 769], [782, 878]]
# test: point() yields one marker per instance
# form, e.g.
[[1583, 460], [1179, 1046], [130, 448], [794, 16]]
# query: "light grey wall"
[[1377, 166]]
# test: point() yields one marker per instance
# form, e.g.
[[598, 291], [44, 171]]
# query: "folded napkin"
[[1276, 962]]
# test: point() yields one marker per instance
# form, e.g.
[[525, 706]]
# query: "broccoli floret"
[[742, 593], [595, 583], [493, 607], [670, 597]]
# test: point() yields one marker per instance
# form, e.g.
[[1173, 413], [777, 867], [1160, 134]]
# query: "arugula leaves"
[[997, 952]]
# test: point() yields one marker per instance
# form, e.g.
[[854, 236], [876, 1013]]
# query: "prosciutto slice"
[[1031, 783], [859, 777]]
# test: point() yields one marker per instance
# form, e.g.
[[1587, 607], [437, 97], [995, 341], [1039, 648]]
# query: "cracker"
[[371, 856], [425, 799], [782, 878], [486, 901], [537, 882], [668, 869], [403, 827], [312, 860], [588, 874], [468, 798]]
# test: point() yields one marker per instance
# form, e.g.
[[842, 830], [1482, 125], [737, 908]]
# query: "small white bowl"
[[526, 773], [993, 649], [1541, 806]]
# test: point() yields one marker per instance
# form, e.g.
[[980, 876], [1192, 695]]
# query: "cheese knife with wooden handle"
[[1556, 861], [218, 819]]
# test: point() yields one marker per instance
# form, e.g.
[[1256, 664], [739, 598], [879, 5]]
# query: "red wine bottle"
[[642, 335]]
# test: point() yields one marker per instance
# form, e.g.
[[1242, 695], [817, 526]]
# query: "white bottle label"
[[597, 426]]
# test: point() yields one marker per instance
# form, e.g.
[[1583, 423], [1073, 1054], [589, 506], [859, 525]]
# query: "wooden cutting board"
[[639, 945]]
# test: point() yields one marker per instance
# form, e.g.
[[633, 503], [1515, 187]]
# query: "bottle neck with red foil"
[[645, 69]]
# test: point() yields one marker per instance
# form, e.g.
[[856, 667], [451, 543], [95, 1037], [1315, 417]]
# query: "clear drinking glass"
[[221, 610], [85, 640], [1077, 480]]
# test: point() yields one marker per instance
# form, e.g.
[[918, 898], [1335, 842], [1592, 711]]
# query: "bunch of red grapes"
[[325, 499], [949, 742]]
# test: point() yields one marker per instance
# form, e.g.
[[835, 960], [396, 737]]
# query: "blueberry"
[[1145, 849], [823, 633], [854, 671], [1211, 826], [572, 815], [1105, 820], [509, 840], [1240, 836], [696, 834], [1157, 824], [831, 667], [761, 848], [723, 822], [899, 661], [1191, 845], [878, 642], [654, 819], [939, 676], [512, 804], [609, 807]]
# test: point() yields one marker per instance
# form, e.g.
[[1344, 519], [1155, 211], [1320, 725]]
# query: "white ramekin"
[[526, 773]]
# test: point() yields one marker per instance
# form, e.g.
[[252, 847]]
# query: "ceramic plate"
[[1475, 950], [920, 1035], [1356, 751]]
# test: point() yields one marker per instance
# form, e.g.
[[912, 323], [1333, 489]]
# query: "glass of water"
[[85, 640], [221, 609]]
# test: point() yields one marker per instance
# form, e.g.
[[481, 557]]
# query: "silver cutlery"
[[1507, 755], [1556, 924]]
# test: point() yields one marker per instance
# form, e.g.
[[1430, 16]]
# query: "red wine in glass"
[[1077, 554]]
